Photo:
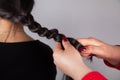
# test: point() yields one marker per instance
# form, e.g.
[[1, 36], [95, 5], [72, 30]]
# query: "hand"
[[70, 61], [108, 52]]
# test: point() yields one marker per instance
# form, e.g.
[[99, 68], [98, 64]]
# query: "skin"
[[110, 53], [11, 32], [70, 60]]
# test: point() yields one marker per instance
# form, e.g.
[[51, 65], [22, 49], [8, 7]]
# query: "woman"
[[22, 57], [70, 61]]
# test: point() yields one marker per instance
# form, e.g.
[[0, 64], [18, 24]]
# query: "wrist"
[[114, 55], [81, 72], [114, 63], [111, 65]]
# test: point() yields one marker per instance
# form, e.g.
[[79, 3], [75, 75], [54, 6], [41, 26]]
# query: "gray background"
[[82, 18]]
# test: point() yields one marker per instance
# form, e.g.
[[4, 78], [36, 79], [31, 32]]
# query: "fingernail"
[[92, 54], [82, 49], [64, 38]]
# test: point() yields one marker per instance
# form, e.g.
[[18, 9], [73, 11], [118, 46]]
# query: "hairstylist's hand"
[[70, 61], [100, 49]]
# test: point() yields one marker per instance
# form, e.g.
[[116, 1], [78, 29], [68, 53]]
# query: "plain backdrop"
[[81, 19]]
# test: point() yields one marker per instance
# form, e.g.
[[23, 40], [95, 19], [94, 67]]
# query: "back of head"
[[15, 10]]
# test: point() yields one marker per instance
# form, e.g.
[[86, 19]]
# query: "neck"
[[10, 32], [7, 26]]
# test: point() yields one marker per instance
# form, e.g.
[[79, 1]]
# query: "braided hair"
[[19, 11]]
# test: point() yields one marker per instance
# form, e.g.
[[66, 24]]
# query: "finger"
[[89, 41], [57, 51], [66, 44], [92, 50], [57, 47], [85, 54]]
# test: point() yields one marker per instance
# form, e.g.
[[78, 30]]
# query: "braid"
[[53, 33]]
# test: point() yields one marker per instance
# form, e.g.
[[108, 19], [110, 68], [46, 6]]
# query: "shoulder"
[[43, 46]]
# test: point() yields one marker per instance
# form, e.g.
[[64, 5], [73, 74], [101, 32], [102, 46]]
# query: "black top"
[[30, 60]]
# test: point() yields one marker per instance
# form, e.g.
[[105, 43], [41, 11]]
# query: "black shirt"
[[30, 60]]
